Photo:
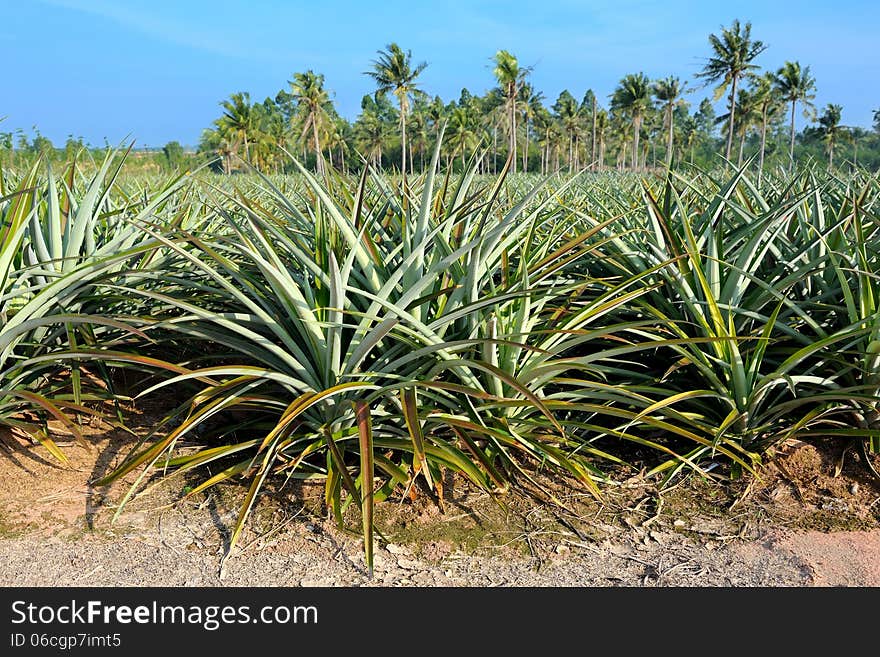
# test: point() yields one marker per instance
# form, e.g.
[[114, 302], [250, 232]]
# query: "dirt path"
[[55, 530]]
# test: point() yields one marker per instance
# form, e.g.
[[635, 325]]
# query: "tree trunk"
[[512, 153], [526, 148], [763, 145], [494, 147], [318, 155], [637, 124], [831, 154], [730, 119], [593, 141], [791, 143], [742, 144], [669, 142], [403, 138]]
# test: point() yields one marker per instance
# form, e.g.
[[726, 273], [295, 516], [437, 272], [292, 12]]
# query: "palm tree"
[[795, 84], [462, 133], [510, 76], [633, 98], [600, 125], [216, 141], [495, 114], [747, 117], [688, 135], [566, 109], [394, 72], [435, 113], [588, 105], [733, 53], [238, 121], [370, 133], [831, 129], [557, 141], [272, 134], [543, 126], [311, 100], [532, 102], [334, 139], [619, 128], [669, 92], [418, 134], [6, 144], [767, 104]]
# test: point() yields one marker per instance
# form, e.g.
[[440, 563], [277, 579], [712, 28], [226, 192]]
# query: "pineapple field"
[[381, 340]]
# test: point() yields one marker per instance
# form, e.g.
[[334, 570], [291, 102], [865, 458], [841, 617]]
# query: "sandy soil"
[[813, 519]]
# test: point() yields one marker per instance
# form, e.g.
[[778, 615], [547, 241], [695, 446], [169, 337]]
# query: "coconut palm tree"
[[566, 109], [831, 129], [418, 133], [435, 114], [6, 144], [688, 135], [669, 92], [619, 130], [733, 54], [370, 134], [218, 142], [767, 104], [312, 99], [543, 126], [495, 115], [747, 117], [633, 99], [394, 72], [334, 140], [511, 76], [462, 132], [238, 122], [588, 108], [272, 134], [600, 125], [531, 103], [795, 85]]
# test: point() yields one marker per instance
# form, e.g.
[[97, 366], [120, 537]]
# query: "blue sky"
[[156, 70]]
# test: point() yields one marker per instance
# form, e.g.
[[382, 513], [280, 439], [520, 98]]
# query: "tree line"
[[644, 123]]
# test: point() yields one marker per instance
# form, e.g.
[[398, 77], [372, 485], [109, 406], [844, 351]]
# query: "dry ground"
[[812, 519]]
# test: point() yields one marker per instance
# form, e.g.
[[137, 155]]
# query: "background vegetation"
[[643, 124]]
